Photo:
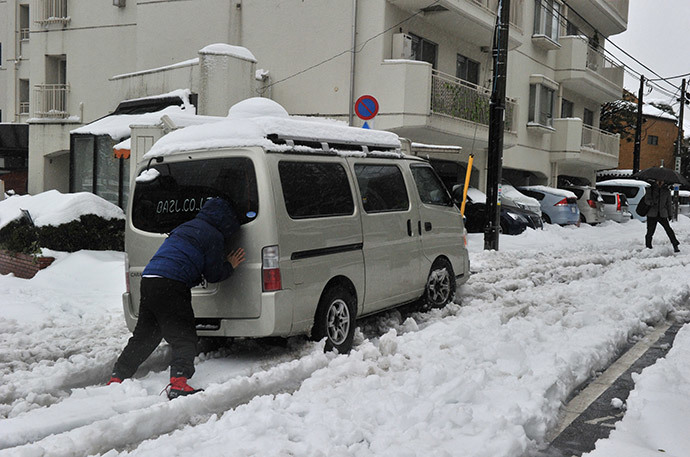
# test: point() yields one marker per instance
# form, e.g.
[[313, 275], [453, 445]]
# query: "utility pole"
[[638, 128], [679, 149], [497, 109]]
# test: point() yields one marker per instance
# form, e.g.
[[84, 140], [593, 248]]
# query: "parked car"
[[558, 206], [513, 220], [590, 203], [513, 198], [633, 190], [330, 236], [616, 206]]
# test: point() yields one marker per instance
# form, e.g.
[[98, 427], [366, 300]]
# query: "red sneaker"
[[178, 387]]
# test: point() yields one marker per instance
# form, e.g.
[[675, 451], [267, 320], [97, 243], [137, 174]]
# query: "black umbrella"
[[668, 175]]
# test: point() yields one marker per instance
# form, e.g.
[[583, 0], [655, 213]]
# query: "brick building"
[[657, 144]]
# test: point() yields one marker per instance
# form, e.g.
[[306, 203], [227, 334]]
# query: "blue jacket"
[[197, 247]]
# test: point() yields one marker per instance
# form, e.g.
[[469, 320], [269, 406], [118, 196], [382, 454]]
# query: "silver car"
[[590, 203], [616, 206]]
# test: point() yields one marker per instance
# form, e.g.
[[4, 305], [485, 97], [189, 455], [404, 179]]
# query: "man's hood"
[[220, 214]]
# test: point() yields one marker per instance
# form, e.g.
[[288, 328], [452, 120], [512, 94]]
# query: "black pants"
[[651, 228], [165, 311]]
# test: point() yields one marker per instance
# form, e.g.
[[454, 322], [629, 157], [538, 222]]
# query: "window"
[[429, 186], [24, 90], [467, 69], [382, 188], [182, 188], [588, 118], [24, 22], [424, 50], [653, 140], [53, 11], [571, 29], [0, 54], [546, 19], [541, 105], [566, 109], [315, 189]]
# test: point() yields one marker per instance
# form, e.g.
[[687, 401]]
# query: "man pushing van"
[[193, 250]]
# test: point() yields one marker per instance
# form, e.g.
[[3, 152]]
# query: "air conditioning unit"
[[119, 3], [402, 46]]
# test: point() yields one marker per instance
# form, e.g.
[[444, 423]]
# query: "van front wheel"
[[440, 286], [335, 320]]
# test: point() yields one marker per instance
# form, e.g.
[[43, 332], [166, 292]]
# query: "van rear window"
[[315, 189], [179, 191]]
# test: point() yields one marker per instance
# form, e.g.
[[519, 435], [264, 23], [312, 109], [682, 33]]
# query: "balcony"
[[609, 17], [436, 108], [52, 12], [460, 99], [586, 71], [51, 101], [578, 143], [472, 20]]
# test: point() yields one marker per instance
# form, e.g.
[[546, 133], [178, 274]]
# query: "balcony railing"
[[23, 108], [600, 140], [24, 35], [52, 12], [51, 100], [454, 97]]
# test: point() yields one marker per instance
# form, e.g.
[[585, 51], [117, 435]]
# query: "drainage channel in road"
[[591, 415]]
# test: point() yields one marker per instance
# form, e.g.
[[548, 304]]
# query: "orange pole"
[[467, 183]]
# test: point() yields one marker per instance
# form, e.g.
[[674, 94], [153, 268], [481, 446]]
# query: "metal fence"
[[454, 97], [52, 100], [51, 11]]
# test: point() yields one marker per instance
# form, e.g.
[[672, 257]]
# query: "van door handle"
[[409, 227], [427, 226]]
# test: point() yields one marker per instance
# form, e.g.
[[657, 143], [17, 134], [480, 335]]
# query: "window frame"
[[536, 93], [418, 43], [447, 203], [653, 140], [468, 63], [546, 16]]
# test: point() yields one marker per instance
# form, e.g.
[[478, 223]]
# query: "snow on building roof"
[[251, 121], [223, 49], [117, 126]]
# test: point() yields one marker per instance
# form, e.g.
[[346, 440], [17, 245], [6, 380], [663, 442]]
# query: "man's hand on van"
[[236, 257]]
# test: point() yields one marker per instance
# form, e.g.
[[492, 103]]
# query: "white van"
[[633, 190], [337, 224]]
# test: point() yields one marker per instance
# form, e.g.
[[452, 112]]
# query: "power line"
[[352, 50]]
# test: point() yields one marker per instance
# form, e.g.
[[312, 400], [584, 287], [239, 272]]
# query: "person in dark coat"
[[658, 198], [194, 250]]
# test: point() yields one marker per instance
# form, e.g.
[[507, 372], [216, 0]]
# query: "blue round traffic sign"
[[366, 107]]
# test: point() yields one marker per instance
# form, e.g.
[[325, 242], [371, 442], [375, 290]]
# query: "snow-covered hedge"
[[61, 222]]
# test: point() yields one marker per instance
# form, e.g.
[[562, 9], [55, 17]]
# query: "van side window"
[[315, 189], [382, 188], [429, 186]]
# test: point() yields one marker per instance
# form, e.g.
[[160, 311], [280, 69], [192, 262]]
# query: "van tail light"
[[618, 202], [592, 204], [563, 202], [127, 272], [270, 268]]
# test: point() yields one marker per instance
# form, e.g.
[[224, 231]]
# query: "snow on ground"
[[485, 376]]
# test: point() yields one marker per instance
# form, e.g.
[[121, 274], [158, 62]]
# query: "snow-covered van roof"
[[264, 123]]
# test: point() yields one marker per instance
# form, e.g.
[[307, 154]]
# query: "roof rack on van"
[[320, 145]]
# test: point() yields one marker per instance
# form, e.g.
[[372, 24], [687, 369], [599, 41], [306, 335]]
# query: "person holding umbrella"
[[658, 199]]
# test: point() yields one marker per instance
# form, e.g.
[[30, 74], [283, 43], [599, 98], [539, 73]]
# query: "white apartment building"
[[67, 63]]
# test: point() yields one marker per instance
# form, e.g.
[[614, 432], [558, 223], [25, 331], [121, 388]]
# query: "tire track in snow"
[[159, 416]]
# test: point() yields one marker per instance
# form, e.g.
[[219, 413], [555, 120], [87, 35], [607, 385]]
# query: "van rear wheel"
[[335, 320], [440, 286]]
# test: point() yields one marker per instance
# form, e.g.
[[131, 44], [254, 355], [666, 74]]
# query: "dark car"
[[513, 220]]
